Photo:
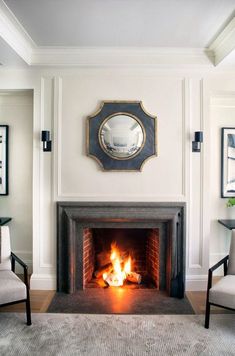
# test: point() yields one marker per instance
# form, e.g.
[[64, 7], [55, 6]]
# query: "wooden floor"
[[41, 299]]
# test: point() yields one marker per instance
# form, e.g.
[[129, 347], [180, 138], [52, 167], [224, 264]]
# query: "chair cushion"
[[11, 287], [231, 262], [5, 249], [223, 292]]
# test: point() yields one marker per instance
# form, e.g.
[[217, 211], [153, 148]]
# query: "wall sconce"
[[198, 139], [45, 138]]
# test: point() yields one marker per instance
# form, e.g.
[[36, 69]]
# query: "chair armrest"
[[218, 264], [212, 269], [14, 259]]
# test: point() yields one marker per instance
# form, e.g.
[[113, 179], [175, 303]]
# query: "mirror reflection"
[[122, 136]]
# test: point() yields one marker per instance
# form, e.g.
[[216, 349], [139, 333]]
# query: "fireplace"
[[135, 252], [150, 235]]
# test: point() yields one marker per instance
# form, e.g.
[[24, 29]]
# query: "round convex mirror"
[[122, 136]]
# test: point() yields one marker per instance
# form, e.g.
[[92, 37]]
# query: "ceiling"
[[141, 24], [135, 23]]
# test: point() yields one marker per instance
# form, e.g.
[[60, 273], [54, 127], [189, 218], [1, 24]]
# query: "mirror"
[[122, 136], [228, 163]]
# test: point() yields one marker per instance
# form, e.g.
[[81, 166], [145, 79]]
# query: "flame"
[[120, 269]]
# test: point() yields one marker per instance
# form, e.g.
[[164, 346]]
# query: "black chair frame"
[[15, 259], [224, 262]]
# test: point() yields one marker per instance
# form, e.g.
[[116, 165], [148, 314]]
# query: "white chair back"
[[5, 261], [231, 262]]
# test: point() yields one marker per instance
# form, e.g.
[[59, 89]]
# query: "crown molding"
[[14, 34], [224, 43], [113, 56]]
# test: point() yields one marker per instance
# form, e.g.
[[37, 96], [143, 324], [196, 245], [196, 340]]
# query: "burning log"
[[114, 280], [134, 277], [105, 269]]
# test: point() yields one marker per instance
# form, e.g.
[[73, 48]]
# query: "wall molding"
[[224, 44], [113, 56], [199, 264], [14, 34], [17, 38]]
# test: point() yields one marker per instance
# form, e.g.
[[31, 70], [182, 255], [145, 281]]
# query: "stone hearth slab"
[[119, 301]]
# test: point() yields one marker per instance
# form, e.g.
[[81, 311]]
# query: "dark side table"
[[4, 221], [230, 223]]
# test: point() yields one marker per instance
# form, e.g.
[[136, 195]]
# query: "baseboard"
[[43, 281], [196, 283]]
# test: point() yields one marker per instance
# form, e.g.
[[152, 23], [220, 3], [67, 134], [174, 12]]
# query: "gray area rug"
[[119, 301], [76, 334]]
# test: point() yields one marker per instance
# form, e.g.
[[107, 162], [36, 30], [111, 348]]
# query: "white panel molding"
[[196, 282], [199, 264], [43, 282], [14, 34], [42, 263], [57, 137], [224, 43], [185, 148]]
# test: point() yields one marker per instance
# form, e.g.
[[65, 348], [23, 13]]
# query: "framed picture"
[[4, 159], [228, 162]]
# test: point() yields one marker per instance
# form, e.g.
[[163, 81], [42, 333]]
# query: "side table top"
[[4, 221], [229, 223]]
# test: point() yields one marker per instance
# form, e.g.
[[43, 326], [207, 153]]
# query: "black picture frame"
[[4, 151], [110, 109], [227, 162]]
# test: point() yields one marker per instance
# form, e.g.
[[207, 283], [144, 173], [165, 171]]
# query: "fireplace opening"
[[127, 257]]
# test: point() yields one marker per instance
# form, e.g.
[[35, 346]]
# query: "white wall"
[[181, 100], [222, 115], [16, 110]]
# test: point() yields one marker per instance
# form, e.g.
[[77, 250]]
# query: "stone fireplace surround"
[[73, 218]]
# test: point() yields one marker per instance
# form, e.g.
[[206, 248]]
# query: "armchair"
[[222, 294], [12, 289]]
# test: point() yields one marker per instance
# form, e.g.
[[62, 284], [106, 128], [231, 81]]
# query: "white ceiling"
[[116, 32], [121, 23]]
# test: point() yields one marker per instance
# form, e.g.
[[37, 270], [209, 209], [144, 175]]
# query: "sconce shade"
[[199, 136], [198, 139], [45, 136]]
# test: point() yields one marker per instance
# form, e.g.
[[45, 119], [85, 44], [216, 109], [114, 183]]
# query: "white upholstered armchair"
[[222, 294], [12, 289]]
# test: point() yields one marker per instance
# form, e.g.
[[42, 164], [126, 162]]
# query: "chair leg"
[[207, 317], [28, 310]]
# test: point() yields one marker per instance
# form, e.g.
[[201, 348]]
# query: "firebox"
[[128, 257], [129, 245]]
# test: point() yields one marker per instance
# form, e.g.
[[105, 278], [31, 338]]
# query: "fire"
[[120, 270]]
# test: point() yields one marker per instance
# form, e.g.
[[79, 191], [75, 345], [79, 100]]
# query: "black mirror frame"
[[95, 121]]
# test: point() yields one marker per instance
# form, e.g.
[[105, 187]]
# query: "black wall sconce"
[[198, 139], [45, 138]]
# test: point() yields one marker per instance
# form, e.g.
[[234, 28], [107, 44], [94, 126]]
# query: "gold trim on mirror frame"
[[154, 117]]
